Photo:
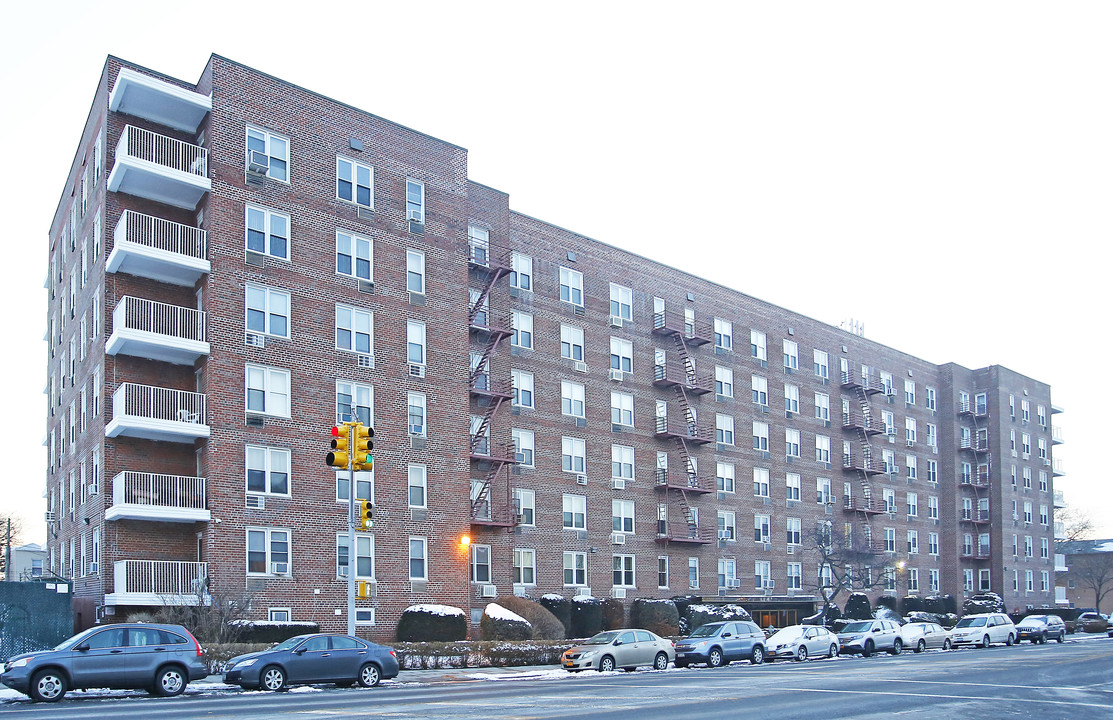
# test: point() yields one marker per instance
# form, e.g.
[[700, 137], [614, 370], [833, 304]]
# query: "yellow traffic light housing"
[[363, 589], [361, 458], [366, 514], [338, 458]]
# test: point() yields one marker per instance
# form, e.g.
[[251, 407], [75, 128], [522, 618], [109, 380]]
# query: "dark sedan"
[[340, 659]]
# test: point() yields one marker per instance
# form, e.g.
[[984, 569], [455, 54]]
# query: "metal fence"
[[33, 616]]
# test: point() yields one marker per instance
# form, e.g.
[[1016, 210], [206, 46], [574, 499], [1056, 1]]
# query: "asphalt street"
[[1072, 680]]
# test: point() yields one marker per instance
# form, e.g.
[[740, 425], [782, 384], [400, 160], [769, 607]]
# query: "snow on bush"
[[432, 623], [498, 623], [698, 614]]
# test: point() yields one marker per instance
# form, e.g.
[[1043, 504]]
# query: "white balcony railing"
[[163, 150], [151, 496], [159, 318], [160, 168], [158, 413], [159, 249], [158, 582]]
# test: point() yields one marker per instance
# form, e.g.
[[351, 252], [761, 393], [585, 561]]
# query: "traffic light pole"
[[352, 563]]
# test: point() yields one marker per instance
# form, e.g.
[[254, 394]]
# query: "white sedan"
[[801, 642], [922, 636]]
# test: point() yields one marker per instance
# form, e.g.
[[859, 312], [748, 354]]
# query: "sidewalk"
[[442, 675]]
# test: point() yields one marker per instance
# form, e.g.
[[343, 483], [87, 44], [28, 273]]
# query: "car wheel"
[[661, 662], [867, 649], [897, 647], [947, 644], [272, 678], [757, 655], [833, 651], [1035, 640], [921, 646], [170, 681], [606, 664], [47, 686], [369, 675], [1061, 637], [985, 641], [1009, 640], [715, 658], [801, 654]]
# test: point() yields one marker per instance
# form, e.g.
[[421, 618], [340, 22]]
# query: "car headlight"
[[20, 663], [244, 663], [702, 643]]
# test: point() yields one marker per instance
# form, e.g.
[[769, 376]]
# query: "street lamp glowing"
[[465, 541], [900, 565]]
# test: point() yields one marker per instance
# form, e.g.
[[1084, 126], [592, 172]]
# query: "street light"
[[465, 547]]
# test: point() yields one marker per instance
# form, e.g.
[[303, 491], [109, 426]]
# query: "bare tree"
[[1076, 525], [11, 529], [214, 616], [853, 562], [1093, 571]]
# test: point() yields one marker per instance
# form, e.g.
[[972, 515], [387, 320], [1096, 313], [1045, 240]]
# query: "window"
[[268, 551], [1043, 481], [932, 471], [762, 574], [354, 182], [521, 325], [521, 271], [724, 334], [823, 491], [417, 479], [265, 147], [890, 540], [911, 463], [757, 345], [415, 200], [481, 563], [365, 486], [791, 355], [910, 429], [572, 454], [792, 443], [913, 542], [913, 579], [523, 445], [968, 580], [622, 355], [523, 388], [761, 482], [525, 502], [724, 382], [622, 516], [365, 556], [822, 406], [795, 576], [760, 389], [418, 554], [724, 429], [572, 286], [1044, 548], [622, 462], [278, 615], [932, 436], [1025, 412], [524, 566], [693, 573], [415, 413], [1028, 512], [933, 543], [792, 399], [822, 449], [663, 571], [929, 398], [575, 569], [1041, 415], [355, 402], [268, 232], [909, 392], [268, 390], [575, 512], [724, 477], [622, 298], [415, 272], [794, 534], [761, 436], [415, 342], [725, 523], [819, 364], [572, 342], [622, 409], [353, 329], [1045, 580], [268, 470], [268, 311], [792, 487], [1027, 475]]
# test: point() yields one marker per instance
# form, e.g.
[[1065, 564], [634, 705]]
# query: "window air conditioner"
[[616, 321], [768, 584], [725, 535], [49, 517], [618, 483], [579, 366], [732, 582], [618, 593], [581, 479], [280, 568], [616, 374], [489, 591], [258, 162], [414, 215], [618, 539], [417, 371], [93, 568]]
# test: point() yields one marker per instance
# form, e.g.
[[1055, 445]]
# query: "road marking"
[[995, 685], [951, 697]]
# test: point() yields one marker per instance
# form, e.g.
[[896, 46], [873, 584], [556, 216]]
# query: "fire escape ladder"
[[686, 409], [481, 432], [685, 357], [493, 275]]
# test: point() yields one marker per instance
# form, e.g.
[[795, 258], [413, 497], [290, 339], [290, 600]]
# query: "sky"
[[843, 160]]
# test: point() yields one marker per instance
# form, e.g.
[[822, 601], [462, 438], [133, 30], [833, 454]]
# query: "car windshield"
[[971, 622], [67, 644], [706, 630], [603, 638], [290, 644], [858, 627], [786, 634]]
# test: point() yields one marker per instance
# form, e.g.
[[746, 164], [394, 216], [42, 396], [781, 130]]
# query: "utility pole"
[[8, 553], [351, 445]]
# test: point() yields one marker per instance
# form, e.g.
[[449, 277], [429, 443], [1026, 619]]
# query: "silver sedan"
[[626, 649], [801, 642], [922, 636]]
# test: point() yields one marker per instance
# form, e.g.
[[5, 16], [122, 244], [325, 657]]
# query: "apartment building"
[[239, 263]]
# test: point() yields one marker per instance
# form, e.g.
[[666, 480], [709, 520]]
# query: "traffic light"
[[338, 458], [366, 514], [361, 453], [363, 589]]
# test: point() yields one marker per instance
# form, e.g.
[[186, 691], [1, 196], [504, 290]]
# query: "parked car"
[[922, 636], [719, 643], [984, 629], [1039, 628], [869, 636], [1092, 622], [626, 649], [801, 642], [318, 658], [161, 659]]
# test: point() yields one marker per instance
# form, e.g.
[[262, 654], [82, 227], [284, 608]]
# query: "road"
[[1072, 680]]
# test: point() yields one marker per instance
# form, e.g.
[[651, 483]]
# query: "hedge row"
[[435, 655]]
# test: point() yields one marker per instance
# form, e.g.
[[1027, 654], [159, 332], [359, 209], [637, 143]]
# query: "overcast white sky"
[[953, 150]]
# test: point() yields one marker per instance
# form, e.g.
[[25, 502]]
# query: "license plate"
[[568, 663]]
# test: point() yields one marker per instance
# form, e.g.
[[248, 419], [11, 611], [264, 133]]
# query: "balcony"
[[686, 431], [683, 481], [1060, 500], [158, 249], [156, 413], [1061, 563], [673, 323], [978, 480], [161, 498], [863, 464], [160, 168], [682, 533], [157, 331], [159, 582], [1057, 469], [868, 425], [158, 101], [863, 505], [1060, 531], [978, 517], [1056, 435], [671, 376], [979, 445]]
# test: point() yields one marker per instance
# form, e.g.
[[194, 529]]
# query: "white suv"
[[870, 636], [984, 629]]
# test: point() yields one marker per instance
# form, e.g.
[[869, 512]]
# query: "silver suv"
[[869, 636], [162, 659]]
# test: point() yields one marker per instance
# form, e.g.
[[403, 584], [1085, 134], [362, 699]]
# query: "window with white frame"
[[525, 502], [572, 286], [521, 271], [575, 569], [910, 462], [763, 574], [415, 414], [622, 355], [929, 398], [693, 573], [479, 244], [823, 491], [622, 300], [365, 556], [279, 615], [419, 552], [792, 486], [791, 355], [727, 573], [761, 482], [481, 563], [417, 484], [521, 327], [365, 486], [792, 443], [1025, 411], [523, 566], [415, 200], [760, 388], [726, 525], [794, 533], [757, 345], [822, 406], [890, 540], [724, 334], [724, 477], [267, 232], [523, 388], [415, 342], [822, 449], [415, 272], [662, 571], [270, 149], [622, 462], [1041, 415], [268, 551], [523, 446], [571, 399], [761, 436], [913, 542], [724, 429], [622, 516], [267, 390], [820, 364], [268, 470], [573, 455], [355, 182], [572, 342], [1044, 548], [622, 409], [932, 471], [792, 399], [355, 402], [354, 329], [1026, 474], [574, 512], [724, 382]]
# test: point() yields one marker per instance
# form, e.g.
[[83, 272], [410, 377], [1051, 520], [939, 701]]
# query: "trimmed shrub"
[[264, 631], [546, 626], [941, 605], [614, 614], [587, 616], [886, 601], [883, 612], [435, 655], [682, 602], [498, 623], [857, 607], [984, 603], [561, 608], [432, 623], [698, 615], [656, 616], [912, 604]]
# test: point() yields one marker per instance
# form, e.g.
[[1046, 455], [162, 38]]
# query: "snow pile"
[[498, 612], [552, 597], [443, 610]]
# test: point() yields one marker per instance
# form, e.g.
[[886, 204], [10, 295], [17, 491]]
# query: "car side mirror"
[[300, 650], [877, 629], [726, 635], [617, 642], [83, 647]]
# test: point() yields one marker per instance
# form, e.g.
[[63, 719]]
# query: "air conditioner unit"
[[364, 361], [618, 593], [732, 582], [258, 162], [618, 483], [417, 430], [1025, 456], [618, 539], [93, 568], [910, 444], [414, 215], [255, 340], [791, 550], [726, 535], [1047, 461], [581, 479], [616, 321], [616, 374], [765, 409], [256, 502], [768, 584], [488, 591], [417, 371], [583, 592], [49, 517], [520, 519], [280, 568], [579, 366]]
